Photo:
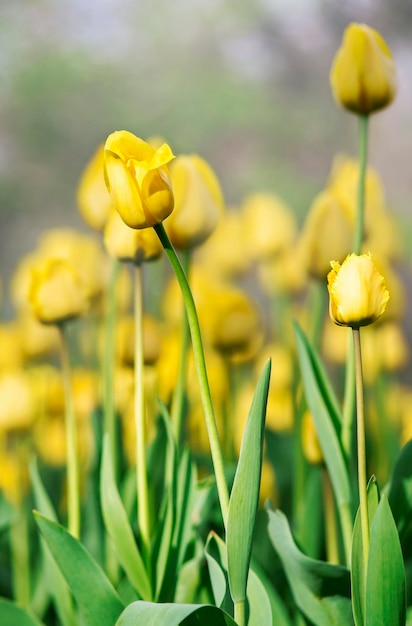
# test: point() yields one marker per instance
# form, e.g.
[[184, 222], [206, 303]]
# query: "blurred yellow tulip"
[[363, 76], [130, 244], [93, 198], [198, 202]]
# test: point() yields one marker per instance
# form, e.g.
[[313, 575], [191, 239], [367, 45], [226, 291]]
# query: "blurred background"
[[245, 84]]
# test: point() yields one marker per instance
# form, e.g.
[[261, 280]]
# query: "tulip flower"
[[93, 198], [56, 293], [363, 76], [130, 244], [198, 202], [358, 294], [138, 179]]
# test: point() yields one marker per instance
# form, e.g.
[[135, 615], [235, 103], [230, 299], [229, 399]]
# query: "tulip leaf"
[[216, 557], [151, 614], [12, 614], [358, 574], [326, 414], [56, 583], [97, 601], [321, 590], [385, 581], [400, 491], [119, 529], [244, 498]]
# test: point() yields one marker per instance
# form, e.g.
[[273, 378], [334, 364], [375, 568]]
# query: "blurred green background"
[[245, 84]]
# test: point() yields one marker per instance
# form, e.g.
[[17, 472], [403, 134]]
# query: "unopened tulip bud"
[[363, 75], [357, 291]]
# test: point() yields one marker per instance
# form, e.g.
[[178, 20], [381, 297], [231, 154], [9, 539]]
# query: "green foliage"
[[321, 590], [244, 497]]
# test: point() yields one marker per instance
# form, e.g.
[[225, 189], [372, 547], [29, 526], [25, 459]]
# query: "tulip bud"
[[198, 202], [56, 293], [138, 179], [363, 76], [130, 244], [93, 198], [357, 291]]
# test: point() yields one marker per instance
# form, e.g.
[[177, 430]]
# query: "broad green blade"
[[322, 404], [244, 498], [53, 578], [385, 581], [119, 529], [216, 557], [321, 590], [358, 574], [260, 610], [97, 601], [400, 491], [150, 614], [12, 614]]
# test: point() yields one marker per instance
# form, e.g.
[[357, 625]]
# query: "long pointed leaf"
[[244, 498], [151, 614], [385, 581], [322, 404], [321, 590], [97, 601], [118, 527]]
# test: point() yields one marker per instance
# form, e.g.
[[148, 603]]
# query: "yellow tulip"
[[327, 234], [138, 179], [130, 244], [198, 202], [93, 198], [269, 226], [357, 291], [310, 442], [17, 401], [56, 292], [363, 76]]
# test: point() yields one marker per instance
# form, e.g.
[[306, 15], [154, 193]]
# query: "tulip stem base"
[[193, 321]]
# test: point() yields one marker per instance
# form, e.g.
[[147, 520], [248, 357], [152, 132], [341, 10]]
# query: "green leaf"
[[260, 610], [119, 529], [52, 576], [385, 581], [216, 557], [167, 614], [12, 614], [8, 513], [244, 498], [400, 491], [358, 574], [97, 601], [321, 590], [326, 414]]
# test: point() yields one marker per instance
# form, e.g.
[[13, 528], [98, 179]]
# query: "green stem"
[[216, 452], [19, 548], [240, 613], [318, 307], [331, 531], [363, 163], [109, 415], [73, 485], [360, 417], [349, 401], [140, 423], [179, 396]]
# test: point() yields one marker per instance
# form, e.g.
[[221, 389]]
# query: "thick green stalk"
[[216, 452], [19, 549], [360, 419], [140, 422], [363, 164], [73, 484], [178, 401]]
